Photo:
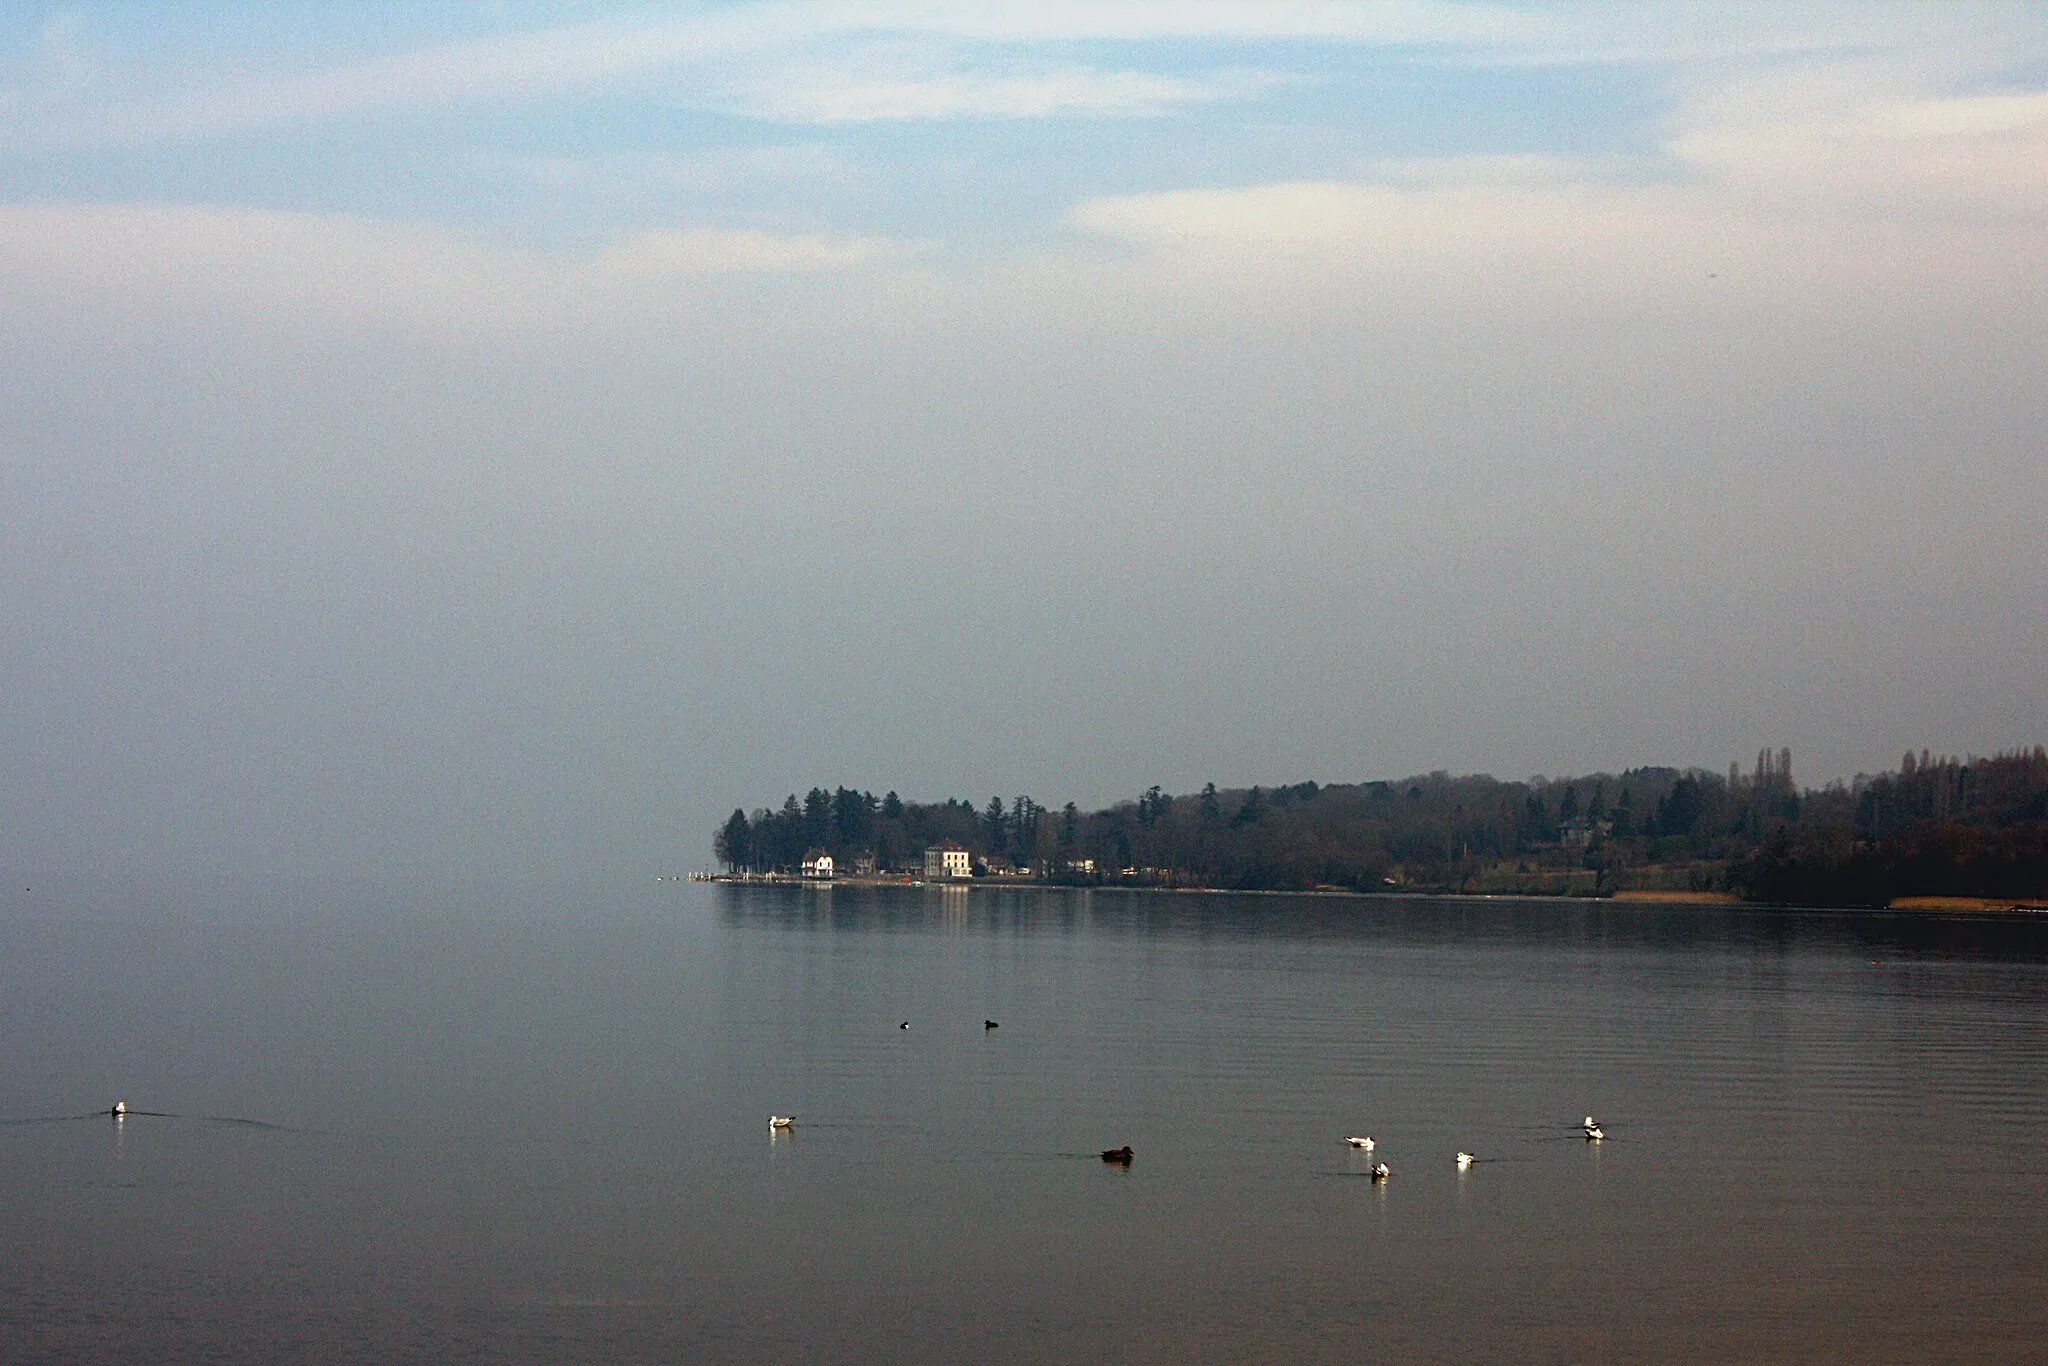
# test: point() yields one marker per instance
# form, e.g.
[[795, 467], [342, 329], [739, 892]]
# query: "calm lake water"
[[537, 1131]]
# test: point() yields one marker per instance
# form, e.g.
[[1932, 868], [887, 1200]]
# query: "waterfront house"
[[946, 860], [818, 865]]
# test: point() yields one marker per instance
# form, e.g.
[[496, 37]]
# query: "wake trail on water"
[[234, 1120]]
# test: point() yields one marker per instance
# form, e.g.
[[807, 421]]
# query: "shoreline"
[[2002, 904], [1922, 905]]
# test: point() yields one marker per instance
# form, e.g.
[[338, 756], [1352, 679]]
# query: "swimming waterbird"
[[1360, 1141], [1465, 1160], [1120, 1156], [1594, 1133], [781, 1121], [1379, 1171]]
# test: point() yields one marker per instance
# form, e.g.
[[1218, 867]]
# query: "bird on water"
[[1465, 1160], [1360, 1141], [1120, 1156], [781, 1121], [1594, 1133], [1379, 1171], [904, 1025], [988, 1024], [120, 1110]]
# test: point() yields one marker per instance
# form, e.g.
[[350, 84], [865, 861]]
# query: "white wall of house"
[[942, 861]]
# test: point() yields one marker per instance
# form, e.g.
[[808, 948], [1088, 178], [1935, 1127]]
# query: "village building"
[[947, 860], [1582, 833], [818, 865]]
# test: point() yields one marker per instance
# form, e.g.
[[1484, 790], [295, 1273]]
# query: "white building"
[[818, 864], [947, 860]]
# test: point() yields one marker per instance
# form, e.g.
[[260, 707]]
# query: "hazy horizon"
[[474, 441]]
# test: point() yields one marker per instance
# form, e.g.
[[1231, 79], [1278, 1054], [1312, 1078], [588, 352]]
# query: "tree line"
[[856, 826], [1937, 825]]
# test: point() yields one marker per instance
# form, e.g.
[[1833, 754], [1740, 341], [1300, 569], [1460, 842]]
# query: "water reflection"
[[1880, 937]]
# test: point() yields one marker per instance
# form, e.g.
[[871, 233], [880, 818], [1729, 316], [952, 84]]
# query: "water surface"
[[536, 1130]]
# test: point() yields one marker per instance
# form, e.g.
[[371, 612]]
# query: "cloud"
[[693, 250], [325, 270], [1457, 233], [1504, 169], [764, 59], [1723, 37], [1298, 216], [848, 98], [511, 65], [758, 52], [613, 174], [1137, 20], [1956, 158], [1413, 202], [1902, 164], [1970, 116]]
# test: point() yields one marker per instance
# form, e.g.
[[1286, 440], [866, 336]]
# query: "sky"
[[451, 441]]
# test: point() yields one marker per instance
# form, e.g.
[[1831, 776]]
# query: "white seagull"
[[120, 1110], [781, 1121], [1464, 1160], [1360, 1141], [1594, 1133], [1379, 1171]]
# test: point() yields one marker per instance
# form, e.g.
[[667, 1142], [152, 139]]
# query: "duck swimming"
[[1120, 1156], [1360, 1141], [1380, 1172], [1465, 1160], [781, 1121], [120, 1110], [1594, 1133]]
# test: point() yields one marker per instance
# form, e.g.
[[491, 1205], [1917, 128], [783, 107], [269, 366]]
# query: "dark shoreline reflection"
[[1664, 927]]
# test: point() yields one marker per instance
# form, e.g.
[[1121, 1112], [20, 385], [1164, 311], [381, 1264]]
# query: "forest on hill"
[[1937, 826]]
